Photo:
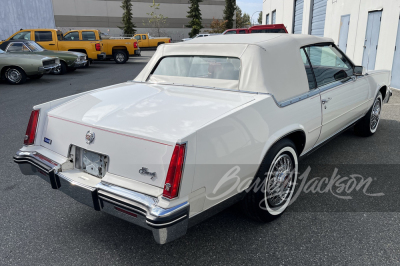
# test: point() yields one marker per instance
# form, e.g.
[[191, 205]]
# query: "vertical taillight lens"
[[98, 47], [135, 45], [175, 170], [31, 129], [169, 40]]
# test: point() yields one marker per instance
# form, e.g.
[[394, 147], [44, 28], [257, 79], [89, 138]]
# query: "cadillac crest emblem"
[[89, 137]]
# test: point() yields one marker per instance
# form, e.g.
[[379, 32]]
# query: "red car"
[[274, 28]]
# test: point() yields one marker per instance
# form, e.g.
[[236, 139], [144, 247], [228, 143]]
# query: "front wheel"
[[15, 75], [120, 57], [368, 125], [272, 189]]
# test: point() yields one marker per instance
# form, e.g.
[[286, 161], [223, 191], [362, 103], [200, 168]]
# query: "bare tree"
[[156, 21]]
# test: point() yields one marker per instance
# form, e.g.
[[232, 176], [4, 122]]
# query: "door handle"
[[324, 101], [51, 44]]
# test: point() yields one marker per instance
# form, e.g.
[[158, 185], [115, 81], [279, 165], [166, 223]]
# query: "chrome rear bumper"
[[137, 208]]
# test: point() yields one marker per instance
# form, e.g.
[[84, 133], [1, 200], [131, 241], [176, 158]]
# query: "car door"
[[46, 39], [145, 41], [344, 97]]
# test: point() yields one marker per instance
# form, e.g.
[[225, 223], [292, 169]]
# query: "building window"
[[273, 17], [267, 19]]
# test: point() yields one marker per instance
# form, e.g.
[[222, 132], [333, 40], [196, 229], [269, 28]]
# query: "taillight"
[[31, 129], [98, 47], [135, 45], [169, 40], [175, 170]]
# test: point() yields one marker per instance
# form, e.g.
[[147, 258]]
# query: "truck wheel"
[[158, 44], [61, 70], [273, 187], [15, 75], [120, 56], [39, 76]]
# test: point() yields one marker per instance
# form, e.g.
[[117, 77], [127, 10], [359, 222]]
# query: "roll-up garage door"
[[298, 16], [318, 18]]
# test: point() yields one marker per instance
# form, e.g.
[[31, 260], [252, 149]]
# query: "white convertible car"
[[205, 124]]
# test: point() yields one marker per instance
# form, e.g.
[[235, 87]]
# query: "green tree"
[[129, 26], [229, 11], [156, 21], [194, 15], [259, 18], [242, 20]]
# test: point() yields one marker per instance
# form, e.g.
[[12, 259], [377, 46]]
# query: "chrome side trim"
[[299, 98]]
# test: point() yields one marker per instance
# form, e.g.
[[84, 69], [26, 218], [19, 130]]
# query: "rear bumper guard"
[[137, 208]]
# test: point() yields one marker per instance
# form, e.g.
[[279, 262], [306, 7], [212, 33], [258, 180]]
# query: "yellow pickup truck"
[[52, 39], [145, 40], [118, 49]]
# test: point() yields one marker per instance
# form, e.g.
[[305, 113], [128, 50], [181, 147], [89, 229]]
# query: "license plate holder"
[[90, 162]]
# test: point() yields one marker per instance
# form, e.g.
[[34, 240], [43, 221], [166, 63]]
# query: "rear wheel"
[[15, 75], [158, 44], [61, 70], [368, 125], [120, 56], [278, 176]]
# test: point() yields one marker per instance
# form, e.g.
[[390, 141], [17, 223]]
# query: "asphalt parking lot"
[[41, 226]]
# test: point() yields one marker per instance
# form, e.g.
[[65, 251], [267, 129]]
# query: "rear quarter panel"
[[235, 145]]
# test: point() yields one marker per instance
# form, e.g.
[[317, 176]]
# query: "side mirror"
[[358, 70]]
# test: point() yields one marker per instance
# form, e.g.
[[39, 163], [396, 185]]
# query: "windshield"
[[34, 47], [211, 67]]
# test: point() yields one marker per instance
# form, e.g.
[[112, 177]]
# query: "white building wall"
[[25, 14], [358, 10]]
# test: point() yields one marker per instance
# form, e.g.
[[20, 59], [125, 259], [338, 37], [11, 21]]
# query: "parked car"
[[51, 39], [272, 28], [197, 36], [117, 49], [16, 68], [69, 61], [146, 41], [185, 139]]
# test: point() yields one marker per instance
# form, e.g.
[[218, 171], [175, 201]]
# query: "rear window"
[[88, 36], [72, 36], [43, 36], [211, 67], [231, 32]]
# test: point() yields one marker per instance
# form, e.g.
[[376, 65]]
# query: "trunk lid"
[[136, 124]]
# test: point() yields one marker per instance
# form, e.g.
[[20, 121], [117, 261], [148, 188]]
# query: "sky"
[[250, 6]]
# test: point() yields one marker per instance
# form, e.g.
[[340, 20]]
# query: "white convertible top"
[[270, 63]]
